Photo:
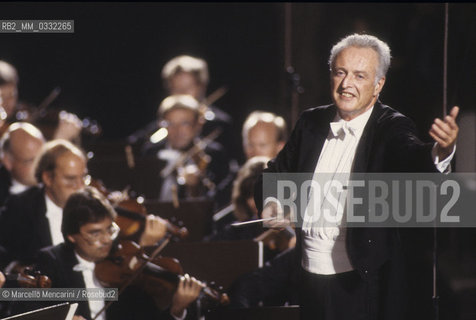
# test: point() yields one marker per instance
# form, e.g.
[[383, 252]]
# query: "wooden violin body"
[[158, 277]]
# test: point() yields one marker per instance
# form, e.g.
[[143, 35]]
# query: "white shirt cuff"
[[444, 166]]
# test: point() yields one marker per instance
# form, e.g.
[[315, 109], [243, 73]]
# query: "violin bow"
[[49, 99], [214, 96], [136, 273]]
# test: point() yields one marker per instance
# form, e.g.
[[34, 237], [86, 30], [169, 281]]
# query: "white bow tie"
[[342, 126], [80, 267]]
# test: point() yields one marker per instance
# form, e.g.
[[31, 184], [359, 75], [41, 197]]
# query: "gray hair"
[[196, 66], [364, 41]]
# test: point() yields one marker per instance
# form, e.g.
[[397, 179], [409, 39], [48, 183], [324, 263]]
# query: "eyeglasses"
[[95, 237]]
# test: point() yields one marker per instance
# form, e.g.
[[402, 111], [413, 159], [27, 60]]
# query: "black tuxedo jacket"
[[24, 227], [5, 184], [388, 144]]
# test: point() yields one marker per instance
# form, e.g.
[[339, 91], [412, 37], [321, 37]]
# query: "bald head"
[[20, 145]]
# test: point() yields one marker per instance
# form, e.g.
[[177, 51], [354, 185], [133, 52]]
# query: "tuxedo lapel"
[[43, 229], [364, 148]]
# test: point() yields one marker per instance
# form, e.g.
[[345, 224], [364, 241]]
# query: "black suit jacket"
[[24, 227], [5, 184]]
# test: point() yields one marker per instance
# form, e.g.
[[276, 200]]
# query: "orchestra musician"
[[203, 174], [263, 134], [89, 231], [60, 169], [69, 125], [189, 75], [244, 208], [19, 146]]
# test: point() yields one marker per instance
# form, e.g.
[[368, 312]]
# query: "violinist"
[[202, 174], [19, 146], [35, 214], [69, 125], [263, 134], [189, 75], [89, 230]]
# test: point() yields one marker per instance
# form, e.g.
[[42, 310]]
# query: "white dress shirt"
[[90, 280], [17, 187], [55, 216], [324, 249]]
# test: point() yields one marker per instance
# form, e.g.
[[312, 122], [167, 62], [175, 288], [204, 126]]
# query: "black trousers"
[[340, 296]]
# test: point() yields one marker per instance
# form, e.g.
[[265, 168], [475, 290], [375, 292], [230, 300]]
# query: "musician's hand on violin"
[[188, 291], [273, 210], [69, 126], [2, 279], [155, 229]]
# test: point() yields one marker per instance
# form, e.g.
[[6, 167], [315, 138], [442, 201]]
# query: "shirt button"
[[366, 271], [370, 241]]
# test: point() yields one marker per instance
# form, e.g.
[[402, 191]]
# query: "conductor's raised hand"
[[445, 133]]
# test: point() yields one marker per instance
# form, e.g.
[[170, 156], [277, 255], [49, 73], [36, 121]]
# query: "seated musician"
[[243, 204], [189, 75], [263, 134], [69, 125], [35, 214], [19, 146], [89, 230], [201, 174]]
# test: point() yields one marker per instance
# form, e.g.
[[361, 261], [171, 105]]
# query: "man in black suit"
[[36, 212], [356, 273], [89, 230]]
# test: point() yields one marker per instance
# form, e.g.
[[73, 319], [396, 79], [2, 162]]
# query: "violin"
[[25, 277], [47, 119], [157, 276], [132, 214]]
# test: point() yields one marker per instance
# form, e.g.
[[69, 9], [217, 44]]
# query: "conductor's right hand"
[[273, 210]]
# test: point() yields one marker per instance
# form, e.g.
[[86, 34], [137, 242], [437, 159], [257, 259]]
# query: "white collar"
[[355, 125], [83, 264], [17, 187], [52, 210]]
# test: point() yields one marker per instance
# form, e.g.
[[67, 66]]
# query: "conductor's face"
[[353, 86]]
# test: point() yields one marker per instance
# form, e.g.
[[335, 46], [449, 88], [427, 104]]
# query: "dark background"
[[109, 70]]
